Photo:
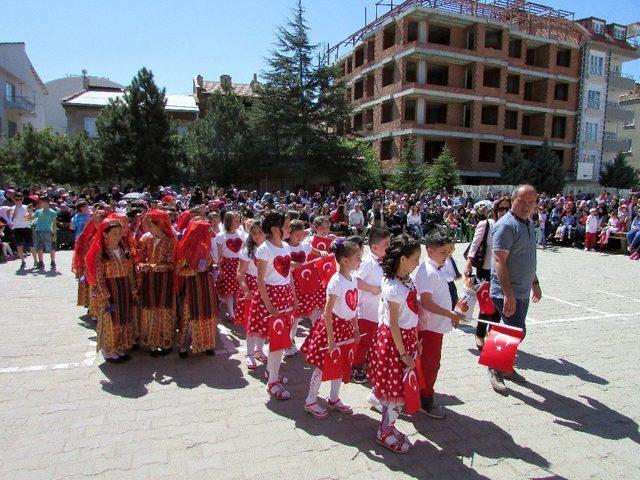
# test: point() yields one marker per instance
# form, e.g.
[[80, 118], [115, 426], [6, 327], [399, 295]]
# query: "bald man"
[[513, 268]]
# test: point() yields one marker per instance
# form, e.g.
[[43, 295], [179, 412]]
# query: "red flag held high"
[[500, 347], [307, 277], [326, 267]]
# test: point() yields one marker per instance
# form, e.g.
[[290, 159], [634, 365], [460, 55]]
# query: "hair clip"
[[339, 242]]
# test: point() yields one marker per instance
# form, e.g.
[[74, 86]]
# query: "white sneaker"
[[374, 402], [290, 352]]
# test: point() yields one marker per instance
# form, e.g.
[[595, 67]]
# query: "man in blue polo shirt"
[[513, 268]]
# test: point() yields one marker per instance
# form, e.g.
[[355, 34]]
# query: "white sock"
[[334, 394], [389, 416], [230, 306], [314, 386], [259, 344], [251, 345], [273, 365], [294, 330]]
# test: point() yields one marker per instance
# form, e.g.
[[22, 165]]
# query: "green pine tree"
[[619, 174], [515, 167], [407, 177], [115, 141], [545, 171], [443, 173]]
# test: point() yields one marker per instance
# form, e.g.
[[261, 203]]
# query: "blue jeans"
[[519, 316], [633, 239]]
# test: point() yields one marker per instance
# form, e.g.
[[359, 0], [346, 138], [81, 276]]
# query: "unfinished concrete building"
[[480, 78]]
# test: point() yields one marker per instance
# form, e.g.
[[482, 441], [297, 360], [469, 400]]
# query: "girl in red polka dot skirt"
[[338, 326], [229, 244], [248, 281], [396, 343], [275, 295]]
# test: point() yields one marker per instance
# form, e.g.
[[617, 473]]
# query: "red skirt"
[[311, 301], [385, 368], [281, 297], [316, 341], [252, 282], [227, 281]]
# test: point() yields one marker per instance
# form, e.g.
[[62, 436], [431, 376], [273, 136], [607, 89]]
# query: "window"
[[387, 112], [511, 120], [89, 124], [10, 92], [589, 157], [411, 74], [598, 27], [513, 84], [12, 129], [619, 33], [595, 65], [438, 74], [412, 31], [370, 85], [358, 89], [410, 110], [389, 37], [563, 57], [388, 74], [466, 115], [561, 92], [515, 48], [491, 77], [439, 35], [559, 127], [359, 60], [593, 99], [489, 115], [432, 149], [493, 39], [349, 65], [436, 113], [386, 149], [487, 152], [591, 131], [357, 121]]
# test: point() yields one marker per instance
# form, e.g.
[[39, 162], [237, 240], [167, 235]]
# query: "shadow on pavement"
[[595, 418]]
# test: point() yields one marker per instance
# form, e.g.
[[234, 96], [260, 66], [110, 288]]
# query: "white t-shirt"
[[395, 291], [19, 220], [369, 272], [231, 244], [252, 269], [431, 279], [214, 249], [449, 271], [278, 263], [591, 224], [347, 293], [301, 252]]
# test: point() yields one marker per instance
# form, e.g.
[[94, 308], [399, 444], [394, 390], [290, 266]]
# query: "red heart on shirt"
[[234, 244], [412, 301], [282, 264], [298, 257], [351, 297]]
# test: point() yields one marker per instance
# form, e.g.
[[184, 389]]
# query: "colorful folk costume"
[[78, 263], [157, 293], [195, 287], [111, 276]]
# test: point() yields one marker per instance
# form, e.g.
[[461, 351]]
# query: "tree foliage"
[[443, 173], [619, 174], [514, 169], [407, 176], [543, 169]]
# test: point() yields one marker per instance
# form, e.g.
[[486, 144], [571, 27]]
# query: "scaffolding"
[[528, 17]]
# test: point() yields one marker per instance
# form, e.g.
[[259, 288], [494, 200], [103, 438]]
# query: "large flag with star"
[[500, 347]]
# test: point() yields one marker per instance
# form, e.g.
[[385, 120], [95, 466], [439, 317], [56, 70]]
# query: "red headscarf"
[[183, 220], [97, 246], [195, 244], [161, 218], [84, 241]]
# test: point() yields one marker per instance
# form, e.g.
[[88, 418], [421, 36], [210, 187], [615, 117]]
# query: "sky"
[[180, 39]]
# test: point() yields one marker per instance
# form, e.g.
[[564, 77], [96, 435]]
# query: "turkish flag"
[[411, 392], [321, 243], [348, 357], [500, 347], [279, 331], [332, 365], [326, 267], [421, 381], [307, 277], [484, 299]]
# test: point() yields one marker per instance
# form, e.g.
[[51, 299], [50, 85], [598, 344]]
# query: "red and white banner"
[[279, 331], [326, 267], [500, 347], [307, 277]]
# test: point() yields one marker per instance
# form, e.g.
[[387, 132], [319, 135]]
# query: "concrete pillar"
[[419, 149], [422, 71], [421, 110], [422, 31]]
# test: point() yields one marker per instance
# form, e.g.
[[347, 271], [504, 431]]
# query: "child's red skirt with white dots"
[[227, 281], [314, 347], [385, 368], [311, 301], [252, 282], [281, 297]]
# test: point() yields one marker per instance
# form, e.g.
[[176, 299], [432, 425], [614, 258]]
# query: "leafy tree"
[[443, 173], [407, 177], [79, 161], [114, 140], [515, 167], [619, 174], [545, 171], [369, 177]]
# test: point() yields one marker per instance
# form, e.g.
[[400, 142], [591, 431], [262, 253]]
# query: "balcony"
[[21, 105], [621, 81], [611, 143], [617, 113]]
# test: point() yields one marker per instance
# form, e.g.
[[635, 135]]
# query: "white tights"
[[273, 365], [254, 344], [314, 387], [229, 302], [390, 412]]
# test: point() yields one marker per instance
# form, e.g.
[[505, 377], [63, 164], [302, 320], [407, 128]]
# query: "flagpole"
[[503, 325], [344, 342]]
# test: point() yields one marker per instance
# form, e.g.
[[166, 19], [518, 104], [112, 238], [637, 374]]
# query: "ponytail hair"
[[401, 246], [345, 247]]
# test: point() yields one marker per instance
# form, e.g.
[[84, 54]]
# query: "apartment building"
[[21, 90], [602, 116], [479, 78], [631, 131]]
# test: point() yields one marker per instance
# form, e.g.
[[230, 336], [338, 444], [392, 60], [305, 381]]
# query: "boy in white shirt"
[[436, 315], [369, 277]]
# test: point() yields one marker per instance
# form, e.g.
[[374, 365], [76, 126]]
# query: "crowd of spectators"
[[585, 221]]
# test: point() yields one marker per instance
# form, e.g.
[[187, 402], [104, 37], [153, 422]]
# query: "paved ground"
[[66, 414]]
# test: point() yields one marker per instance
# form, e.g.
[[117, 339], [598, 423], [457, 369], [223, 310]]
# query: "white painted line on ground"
[[225, 336], [90, 357], [575, 305], [619, 296], [579, 319]]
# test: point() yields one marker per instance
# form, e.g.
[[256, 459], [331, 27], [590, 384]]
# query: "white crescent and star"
[[275, 325]]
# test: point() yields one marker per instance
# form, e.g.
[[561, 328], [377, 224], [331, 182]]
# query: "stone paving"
[[67, 415]]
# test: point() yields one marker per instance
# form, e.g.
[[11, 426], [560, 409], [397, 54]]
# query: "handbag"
[[478, 259]]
